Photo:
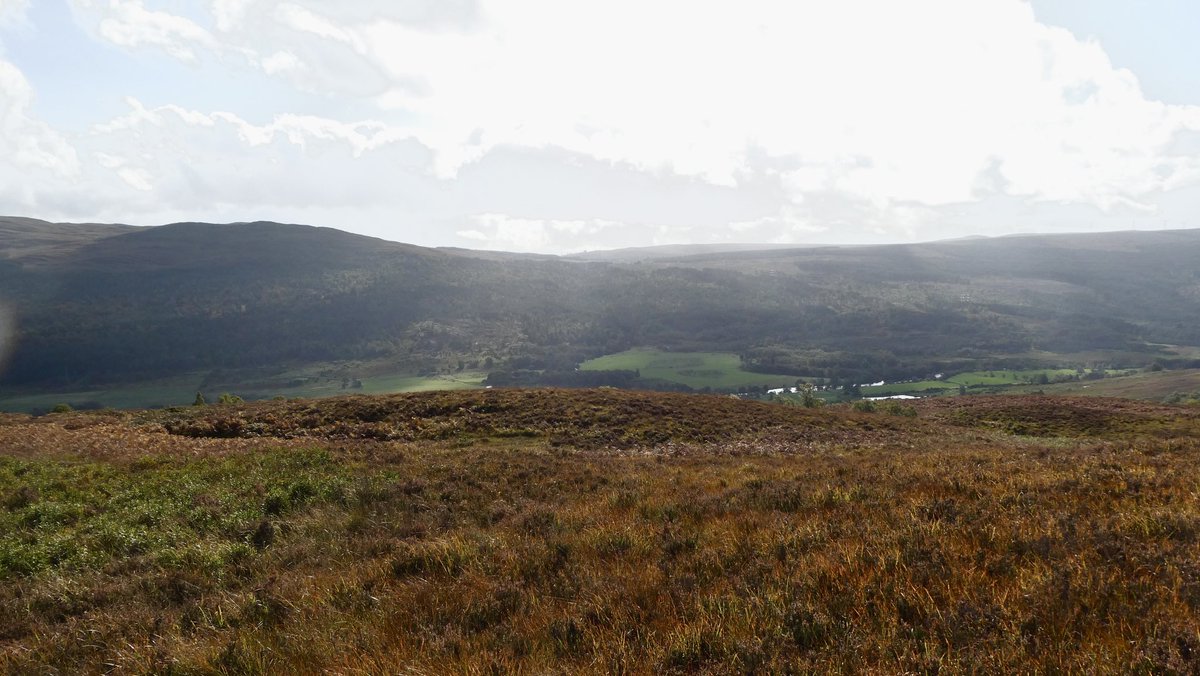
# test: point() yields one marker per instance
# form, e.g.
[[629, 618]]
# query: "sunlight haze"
[[556, 127]]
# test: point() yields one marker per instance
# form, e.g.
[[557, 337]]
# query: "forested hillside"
[[111, 303]]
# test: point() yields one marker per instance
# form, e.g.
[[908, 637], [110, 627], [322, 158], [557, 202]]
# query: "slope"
[[189, 297], [31, 242]]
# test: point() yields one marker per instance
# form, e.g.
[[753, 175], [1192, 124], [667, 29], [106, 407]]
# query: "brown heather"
[[605, 532]]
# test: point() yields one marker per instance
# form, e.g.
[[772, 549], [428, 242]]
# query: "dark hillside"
[[150, 302], [30, 242], [267, 247]]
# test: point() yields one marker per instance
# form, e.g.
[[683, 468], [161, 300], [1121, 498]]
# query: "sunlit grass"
[[834, 541]]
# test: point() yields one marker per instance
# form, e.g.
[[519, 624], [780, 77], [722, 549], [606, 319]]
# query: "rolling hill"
[[30, 242], [104, 304]]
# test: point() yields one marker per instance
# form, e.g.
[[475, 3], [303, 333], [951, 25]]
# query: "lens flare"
[[8, 332]]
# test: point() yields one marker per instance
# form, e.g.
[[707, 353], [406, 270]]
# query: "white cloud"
[[502, 232], [280, 62], [302, 20], [110, 161], [908, 105], [34, 159], [138, 179], [229, 14], [127, 23], [26, 143], [13, 11], [558, 125], [300, 130], [790, 226], [168, 163]]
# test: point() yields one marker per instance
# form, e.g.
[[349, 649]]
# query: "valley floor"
[[602, 531]]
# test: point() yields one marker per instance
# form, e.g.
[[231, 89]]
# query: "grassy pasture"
[[920, 387], [997, 378], [181, 391], [1005, 377], [694, 369], [176, 391]]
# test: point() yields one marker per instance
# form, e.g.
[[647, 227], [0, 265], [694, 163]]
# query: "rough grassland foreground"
[[602, 531]]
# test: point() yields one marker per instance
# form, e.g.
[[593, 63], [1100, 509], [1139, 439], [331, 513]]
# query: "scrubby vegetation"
[[602, 531]]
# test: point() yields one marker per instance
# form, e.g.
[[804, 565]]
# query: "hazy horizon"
[[551, 127], [726, 246]]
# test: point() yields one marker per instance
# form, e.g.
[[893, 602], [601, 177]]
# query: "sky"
[[559, 126]]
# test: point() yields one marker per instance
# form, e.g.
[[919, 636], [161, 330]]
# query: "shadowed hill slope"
[[267, 247], [30, 242], [115, 304]]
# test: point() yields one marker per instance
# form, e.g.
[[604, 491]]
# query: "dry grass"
[[545, 534], [586, 419]]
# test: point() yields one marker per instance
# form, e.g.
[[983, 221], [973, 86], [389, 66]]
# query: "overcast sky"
[[564, 125]]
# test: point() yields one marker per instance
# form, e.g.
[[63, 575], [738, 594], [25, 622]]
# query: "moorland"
[[602, 531]]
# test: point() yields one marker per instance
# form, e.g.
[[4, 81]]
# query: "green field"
[[1005, 377], [166, 392], [920, 387], [979, 379], [181, 391], [718, 370]]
